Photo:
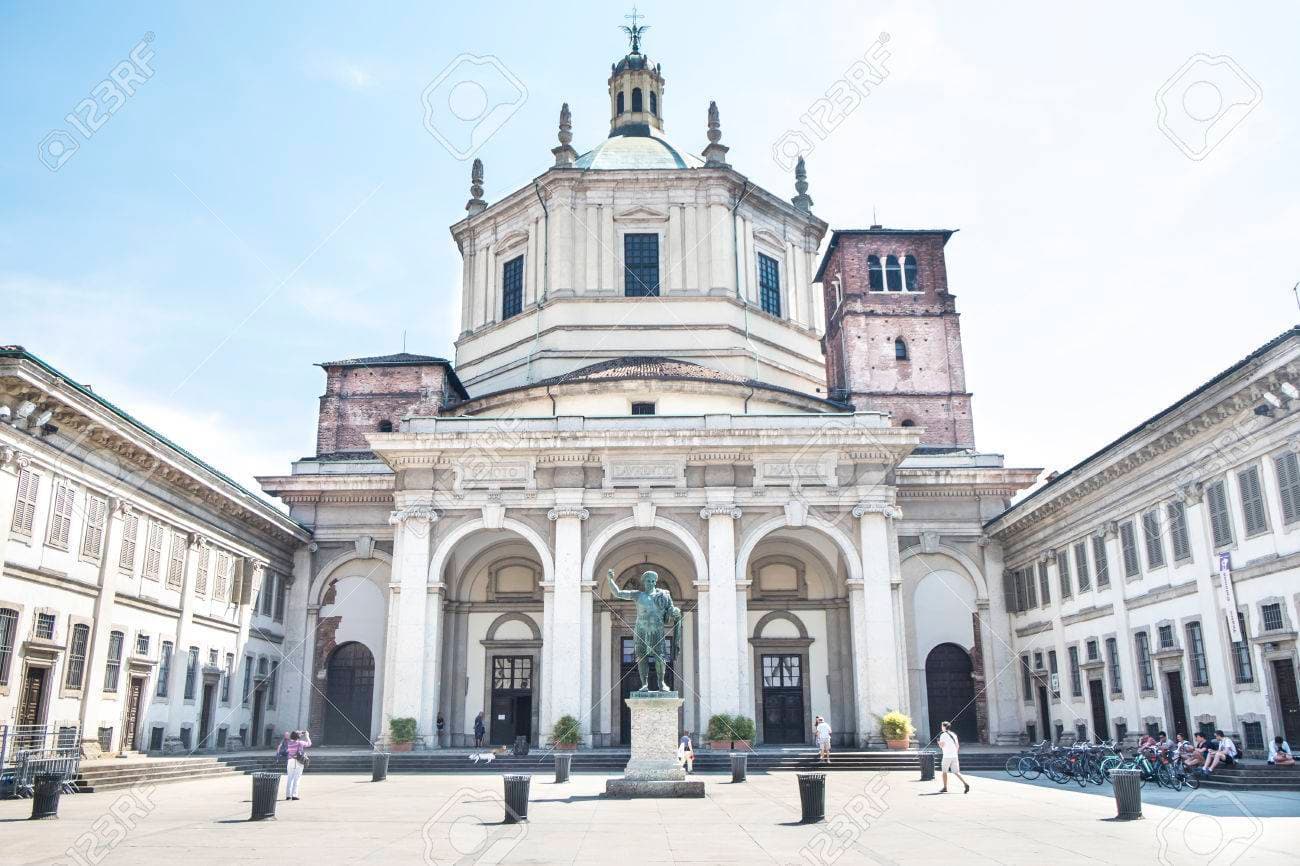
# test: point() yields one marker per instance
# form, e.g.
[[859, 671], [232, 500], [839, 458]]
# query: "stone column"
[[871, 605], [97, 653], [300, 639], [564, 675], [1214, 625], [181, 654], [404, 695], [1127, 651], [724, 683], [1000, 661], [432, 703], [12, 462]]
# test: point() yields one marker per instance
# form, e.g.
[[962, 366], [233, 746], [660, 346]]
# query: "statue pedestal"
[[653, 770]]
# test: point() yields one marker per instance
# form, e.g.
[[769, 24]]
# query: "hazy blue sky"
[[269, 198]]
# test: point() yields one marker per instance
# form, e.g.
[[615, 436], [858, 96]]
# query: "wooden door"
[[132, 720], [1287, 699]]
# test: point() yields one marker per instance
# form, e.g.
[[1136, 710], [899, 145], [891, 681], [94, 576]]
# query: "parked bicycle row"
[[1175, 763]]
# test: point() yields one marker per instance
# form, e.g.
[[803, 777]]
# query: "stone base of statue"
[[653, 770]]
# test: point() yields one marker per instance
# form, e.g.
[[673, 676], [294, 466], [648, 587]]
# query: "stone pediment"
[[641, 213]]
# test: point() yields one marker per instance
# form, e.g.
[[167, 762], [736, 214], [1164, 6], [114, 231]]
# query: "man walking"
[[949, 745], [823, 731]]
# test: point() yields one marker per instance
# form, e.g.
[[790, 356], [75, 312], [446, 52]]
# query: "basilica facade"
[[655, 371]]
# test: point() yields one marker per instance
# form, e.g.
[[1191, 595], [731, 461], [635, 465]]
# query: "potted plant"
[[896, 729], [720, 731], [566, 734], [401, 733], [742, 732]]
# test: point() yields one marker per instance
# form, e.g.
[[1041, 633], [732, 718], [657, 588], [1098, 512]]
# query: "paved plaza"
[[871, 818]]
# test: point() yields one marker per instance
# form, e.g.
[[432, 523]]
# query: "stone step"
[[153, 777]]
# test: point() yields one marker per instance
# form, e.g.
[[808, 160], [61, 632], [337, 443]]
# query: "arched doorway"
[[349, 694], [950, 691]]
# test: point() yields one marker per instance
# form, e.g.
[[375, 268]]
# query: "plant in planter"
[[721, 731], [566, 734], [401, 733], [742, 732], [896, 729]]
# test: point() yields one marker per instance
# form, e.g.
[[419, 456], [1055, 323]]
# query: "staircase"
[[113, 776], [1254, 777]]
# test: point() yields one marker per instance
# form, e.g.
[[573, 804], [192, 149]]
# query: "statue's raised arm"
[[625, 594]]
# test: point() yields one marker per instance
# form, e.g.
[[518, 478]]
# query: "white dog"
[[488, 757]]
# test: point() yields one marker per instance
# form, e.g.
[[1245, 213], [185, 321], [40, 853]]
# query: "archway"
[[349, 695], [950, 691]]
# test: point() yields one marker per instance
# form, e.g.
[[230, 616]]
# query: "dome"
[[649, 149]]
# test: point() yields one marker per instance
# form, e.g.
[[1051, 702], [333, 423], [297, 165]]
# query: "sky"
[[257, 191]]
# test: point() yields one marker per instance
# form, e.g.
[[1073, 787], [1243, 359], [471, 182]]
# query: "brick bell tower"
[[893, 339]]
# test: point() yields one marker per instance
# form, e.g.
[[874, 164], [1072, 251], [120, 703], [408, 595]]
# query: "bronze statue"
[[654, 611]]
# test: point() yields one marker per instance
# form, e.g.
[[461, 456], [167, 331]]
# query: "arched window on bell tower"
[[636, 100], [875, 275], [900, 349], [654, 103], [620, 102], [909, 274], [893, 274]]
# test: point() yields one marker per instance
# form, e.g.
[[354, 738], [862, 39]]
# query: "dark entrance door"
[[349, 693], [1097, 696], [1044, 715], [630, 680], [132, 720], [1288, 702], [783, 713], [31, 712], [1177, 705], [950, 691], [205, 715], [259, 706], [512, 699]]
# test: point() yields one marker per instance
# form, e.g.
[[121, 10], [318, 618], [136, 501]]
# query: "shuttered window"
[[1081, 566], [1099, 559], [1216, 500], [130, 532], [113, 665], [1255, 517], [1196, 648], [1063, 572], [1112, 662], [201, 572], [1031, 588], [164, 668], [29, 484], [1288, 486], [176, 561], [1076, 680], [1151, 537], [153, 551], [191, 673], [1043, 584], [76, 670], [223, 576], [1128, 548], [8, 634], [92, 540], [61, 514], [1146, 676], [1176, 513]]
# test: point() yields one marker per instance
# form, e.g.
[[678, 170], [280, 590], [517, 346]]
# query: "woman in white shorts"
[[949, 745]]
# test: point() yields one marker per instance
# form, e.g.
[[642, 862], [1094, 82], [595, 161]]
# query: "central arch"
[[349, 693], [950, 691]]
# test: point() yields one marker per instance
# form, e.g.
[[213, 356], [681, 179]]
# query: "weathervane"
[[634, 32]]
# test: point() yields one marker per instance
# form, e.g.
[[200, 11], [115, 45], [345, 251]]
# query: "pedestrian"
[[1279, 753], [823, 739], [479, 730], [686, 753], [296, 752], [950, 746], [1200, 749], [441, 725], [1225, 753]]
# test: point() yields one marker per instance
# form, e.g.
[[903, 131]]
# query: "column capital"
[[561, 511], [426, 513], [198, 541], [889, 510], [13, 457], [120, 507], [1110, 530], [1048, 556], [720, 509], [1191, 493]]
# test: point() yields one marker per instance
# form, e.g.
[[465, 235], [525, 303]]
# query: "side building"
[[143, 596], [1156, 585]]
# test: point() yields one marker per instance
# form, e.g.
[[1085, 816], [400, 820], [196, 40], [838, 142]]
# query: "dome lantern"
[[636, 88]]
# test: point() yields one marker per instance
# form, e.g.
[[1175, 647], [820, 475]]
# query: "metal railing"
[[26, 750]]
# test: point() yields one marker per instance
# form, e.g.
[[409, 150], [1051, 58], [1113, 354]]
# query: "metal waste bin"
[[563, 763], [521, 745], [379, 766], [516, 797], [266, 788], [812, 796], [927, 766], [46, 788], [739, 766], [1128, 794]]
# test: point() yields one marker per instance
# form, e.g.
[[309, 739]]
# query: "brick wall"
[[358, 398], [928, 387]]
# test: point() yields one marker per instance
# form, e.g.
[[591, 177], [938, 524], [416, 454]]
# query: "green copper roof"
[[633, 152]]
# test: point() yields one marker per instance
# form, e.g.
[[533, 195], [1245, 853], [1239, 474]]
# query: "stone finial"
[[476, 204], [715, 155], [565, 154], [802, 201]]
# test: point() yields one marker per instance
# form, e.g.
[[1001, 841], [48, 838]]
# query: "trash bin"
[[521, 745], [563, 763], [46, 788], [266, 789], [1128, 794], [812, 796], [379, 766], [516, 797], [927, 766], [739, 766]]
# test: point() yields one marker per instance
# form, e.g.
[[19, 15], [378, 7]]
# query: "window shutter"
[[1081, 566], [61, 514], [130, 529], [29, 483], [1220, 523], [1063, 572], [1177, 515], [93, 540], [153, 551], [1128, 547], [1252, 500], [201, 573], [1288, 482], [176, 561], [1009, 591], [1100, 560]]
